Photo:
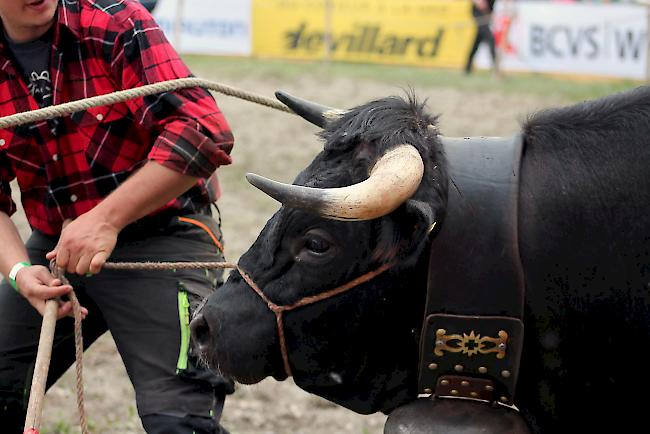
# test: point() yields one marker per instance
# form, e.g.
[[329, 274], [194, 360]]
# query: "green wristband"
[[14, 271]]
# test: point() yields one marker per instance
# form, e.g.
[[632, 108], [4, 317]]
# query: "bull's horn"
[[317, 114], [394, 178]]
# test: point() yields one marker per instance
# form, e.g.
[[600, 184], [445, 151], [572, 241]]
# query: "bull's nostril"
[[200, 331]]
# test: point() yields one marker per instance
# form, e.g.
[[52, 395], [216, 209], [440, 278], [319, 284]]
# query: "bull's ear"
[[403, 233], [418, 221]]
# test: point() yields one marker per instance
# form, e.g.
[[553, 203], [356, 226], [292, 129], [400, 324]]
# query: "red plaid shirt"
[[66, 166]]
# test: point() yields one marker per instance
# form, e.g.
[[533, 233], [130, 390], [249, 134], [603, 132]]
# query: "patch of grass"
[[66, 424], [59, 427], [570, 88]]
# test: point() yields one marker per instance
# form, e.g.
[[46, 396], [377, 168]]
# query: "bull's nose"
[[200, 332]]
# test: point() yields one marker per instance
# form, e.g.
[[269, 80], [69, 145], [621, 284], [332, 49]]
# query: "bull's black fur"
[[584, 218], [585, 245]]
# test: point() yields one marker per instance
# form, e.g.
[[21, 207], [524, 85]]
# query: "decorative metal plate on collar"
[[480, 353]]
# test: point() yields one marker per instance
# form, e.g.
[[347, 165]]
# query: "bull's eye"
[[317, 244]]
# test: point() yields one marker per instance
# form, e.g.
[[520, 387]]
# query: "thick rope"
[[41, 368], [166, 265], [67, 108], [78, 346]]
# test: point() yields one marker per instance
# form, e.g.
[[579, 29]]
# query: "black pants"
[[483, 34], [146, 312]]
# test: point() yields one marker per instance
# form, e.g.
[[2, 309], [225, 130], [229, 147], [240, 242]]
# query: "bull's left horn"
[[317, 114], [394, 178]]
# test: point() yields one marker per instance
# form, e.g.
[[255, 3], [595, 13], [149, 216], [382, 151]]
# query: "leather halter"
[[279, 310], [472, 334]]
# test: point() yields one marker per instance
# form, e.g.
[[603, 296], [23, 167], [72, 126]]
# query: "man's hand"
[[37, 285], [88, 241], [85, 244]]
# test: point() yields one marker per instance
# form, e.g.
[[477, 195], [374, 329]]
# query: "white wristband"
[[14, 271]]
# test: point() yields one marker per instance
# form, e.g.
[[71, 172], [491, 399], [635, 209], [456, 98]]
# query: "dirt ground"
[[275, 145]]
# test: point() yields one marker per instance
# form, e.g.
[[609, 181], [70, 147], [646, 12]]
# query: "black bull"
[[583, 239]]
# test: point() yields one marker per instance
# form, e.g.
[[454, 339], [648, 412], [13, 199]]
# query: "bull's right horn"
[[394, 179], [317, 114]]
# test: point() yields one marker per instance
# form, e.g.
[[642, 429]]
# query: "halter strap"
[[279, 310]]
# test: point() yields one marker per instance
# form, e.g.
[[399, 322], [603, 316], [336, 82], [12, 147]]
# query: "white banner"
[[206, 26], [593, 39]]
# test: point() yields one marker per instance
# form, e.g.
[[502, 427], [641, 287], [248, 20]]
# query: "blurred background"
[[588, 37], [342, 53]]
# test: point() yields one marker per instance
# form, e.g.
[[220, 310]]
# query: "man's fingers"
[[62, 257], [51, 255], [73, 260], [88, 263], [45, 292], [44, 275], [83, 265], [65, 309], [98, 262]]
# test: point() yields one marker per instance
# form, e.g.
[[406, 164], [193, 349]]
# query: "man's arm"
[[194, 137], [35, 283], [13, 249], [193, 140], [87, 242]]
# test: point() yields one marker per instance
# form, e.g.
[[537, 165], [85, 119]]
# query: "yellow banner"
[[413, 32]]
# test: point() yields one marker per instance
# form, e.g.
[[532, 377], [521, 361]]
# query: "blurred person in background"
[[133, 181], [482, 13]]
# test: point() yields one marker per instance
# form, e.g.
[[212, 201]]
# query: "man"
[[133, 181], [482, 13]]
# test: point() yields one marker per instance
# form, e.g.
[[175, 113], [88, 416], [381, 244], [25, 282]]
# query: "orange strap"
[[205, 228]]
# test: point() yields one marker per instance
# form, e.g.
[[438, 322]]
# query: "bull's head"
[[363, 208]]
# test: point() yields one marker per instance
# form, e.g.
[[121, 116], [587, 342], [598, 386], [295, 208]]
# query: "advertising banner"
[[206, 26], [591, 39], [413, 32]]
